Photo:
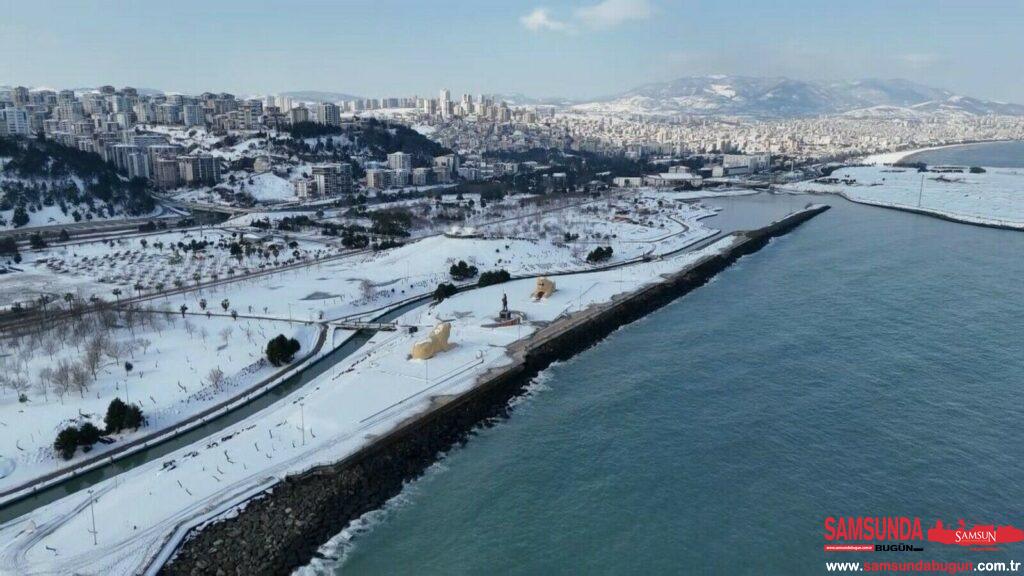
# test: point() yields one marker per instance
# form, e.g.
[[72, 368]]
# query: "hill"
[[779, 97], [42, 182]]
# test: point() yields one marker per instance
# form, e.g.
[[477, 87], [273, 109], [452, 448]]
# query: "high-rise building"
[[299, 114], [378, 179], [138, 165], [328, 113], [400, 161], [400, 177], [201, 169], [17, 121], [421, 176], [165, 172], [20, 96], [193, 115], [333, 179]]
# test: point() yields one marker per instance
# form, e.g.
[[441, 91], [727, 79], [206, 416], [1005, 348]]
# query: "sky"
[[543, 48]]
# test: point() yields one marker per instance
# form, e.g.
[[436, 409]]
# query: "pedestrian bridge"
[[358, 325]]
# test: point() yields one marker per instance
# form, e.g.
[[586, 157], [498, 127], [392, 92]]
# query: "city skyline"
[[571, 49]]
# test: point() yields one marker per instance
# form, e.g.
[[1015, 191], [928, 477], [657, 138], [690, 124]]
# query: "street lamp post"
[[92, 512]]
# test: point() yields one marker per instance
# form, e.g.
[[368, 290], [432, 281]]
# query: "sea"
[[868, 364]]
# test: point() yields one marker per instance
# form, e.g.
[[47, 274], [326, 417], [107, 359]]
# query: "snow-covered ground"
[[171, 360], [267, 187], [646, 223], [372, 280], [995, 197], [154, 262], [54, 216], [363, 396]]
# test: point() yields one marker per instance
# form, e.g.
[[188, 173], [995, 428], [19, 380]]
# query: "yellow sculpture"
[[435, 343], [545, 288]]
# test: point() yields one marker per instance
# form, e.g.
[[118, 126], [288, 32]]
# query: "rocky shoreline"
[[282, 529]]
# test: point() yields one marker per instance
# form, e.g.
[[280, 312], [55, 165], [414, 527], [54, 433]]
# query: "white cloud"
[[601, 16], [611, 13], [540, 19]]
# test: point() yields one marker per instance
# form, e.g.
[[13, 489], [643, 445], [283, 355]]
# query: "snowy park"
[[992, 197], [363, 396], [169, 365]]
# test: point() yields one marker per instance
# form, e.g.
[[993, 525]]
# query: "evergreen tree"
[[66, 442]]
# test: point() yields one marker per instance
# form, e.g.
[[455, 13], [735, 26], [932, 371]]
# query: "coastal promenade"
[[283, 527]]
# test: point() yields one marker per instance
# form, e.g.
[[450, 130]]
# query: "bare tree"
[[94, 353], [62, 378], [114, 349], [215, 378], [18, 383], [80, 378], [45, 380]]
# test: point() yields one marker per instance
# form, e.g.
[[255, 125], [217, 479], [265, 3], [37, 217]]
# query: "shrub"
[[600, 254], [114, 420], [88, 434], [66, 442], [443, 291], [133, 417], [121, 416], [462, 271], [36, 241], [281, 350], [493, 277]]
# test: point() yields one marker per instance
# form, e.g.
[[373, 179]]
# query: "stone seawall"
[[282, 529]]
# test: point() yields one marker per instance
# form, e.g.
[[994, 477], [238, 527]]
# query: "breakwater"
[[283, 528]]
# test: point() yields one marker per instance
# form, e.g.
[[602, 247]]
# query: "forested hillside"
[[42, 182]]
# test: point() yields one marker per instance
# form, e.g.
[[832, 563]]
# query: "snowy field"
[[53, 216], [173, 360], [994, 198], [648, 223], [153, 262], [267, 188], [373, 280], [363, 396]]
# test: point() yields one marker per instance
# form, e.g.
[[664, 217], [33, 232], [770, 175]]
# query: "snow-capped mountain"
[[784, 97]]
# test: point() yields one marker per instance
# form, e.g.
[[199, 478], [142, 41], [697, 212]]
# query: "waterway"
[[870, 363]]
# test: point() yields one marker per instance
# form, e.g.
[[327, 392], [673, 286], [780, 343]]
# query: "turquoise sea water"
[[871, 363]]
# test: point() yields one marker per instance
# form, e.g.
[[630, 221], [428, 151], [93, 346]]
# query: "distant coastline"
[[901, 155], [907, 155]]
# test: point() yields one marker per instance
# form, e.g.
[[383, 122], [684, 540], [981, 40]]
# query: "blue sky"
[[575, 48]]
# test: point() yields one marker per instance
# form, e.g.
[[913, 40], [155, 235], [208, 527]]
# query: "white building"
[[17, 121], [329, 114], [628, 181], [400, 161], [378, 179]]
